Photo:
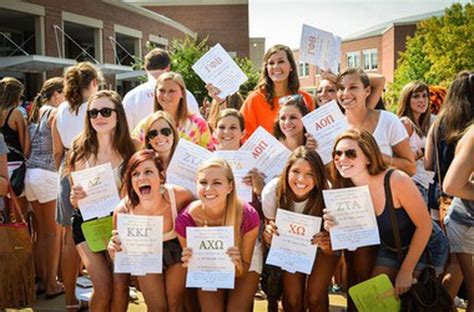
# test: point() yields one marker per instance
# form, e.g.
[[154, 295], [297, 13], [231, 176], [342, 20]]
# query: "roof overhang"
[[33, 63], [113, 69], [131, 76]]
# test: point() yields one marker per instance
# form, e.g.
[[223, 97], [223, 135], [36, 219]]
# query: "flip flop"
[[52, 296]]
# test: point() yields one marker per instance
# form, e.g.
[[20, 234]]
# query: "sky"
[[280, 21]]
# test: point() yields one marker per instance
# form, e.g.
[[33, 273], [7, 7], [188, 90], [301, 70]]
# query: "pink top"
[[250, 220]]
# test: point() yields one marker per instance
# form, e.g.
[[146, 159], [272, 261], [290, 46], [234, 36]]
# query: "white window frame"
[[356, 56], [303, 69], [372, 65]]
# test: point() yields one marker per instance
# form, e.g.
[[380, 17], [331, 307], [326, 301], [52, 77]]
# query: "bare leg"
[[175, 281], [212, 301], [241, 297], [98, 268], [153, 289], [39, 244], [120, 292], [293, 291], [52, 246], [453, 276], [318, 282], [69, 266], [466, 262]]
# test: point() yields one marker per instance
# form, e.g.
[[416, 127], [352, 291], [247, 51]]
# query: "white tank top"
[[69, 124]]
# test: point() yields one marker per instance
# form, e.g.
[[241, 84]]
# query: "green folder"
[[98, 233], [375, 294]]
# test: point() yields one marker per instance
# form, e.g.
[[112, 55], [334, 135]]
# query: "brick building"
[[38, 38], [375, 49]]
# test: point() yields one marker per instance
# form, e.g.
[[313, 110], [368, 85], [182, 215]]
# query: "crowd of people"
[[409, 161]]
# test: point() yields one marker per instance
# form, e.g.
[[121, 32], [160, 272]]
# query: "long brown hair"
[[458, 108], [139, 157], [232, 101], [78, 78], [404, 107], [265, 83], [183, 105], [161, 115], [369, 147], [86, 144], [295, 100], [50, 86], [285, 196], [11, 90], [234, 207]]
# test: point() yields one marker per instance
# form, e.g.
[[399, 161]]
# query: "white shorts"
[[256, 264], [41, 185]]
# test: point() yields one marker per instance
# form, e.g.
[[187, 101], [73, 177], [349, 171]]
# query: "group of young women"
[[75, 126]]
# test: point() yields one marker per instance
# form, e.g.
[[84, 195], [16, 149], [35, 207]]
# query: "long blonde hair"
[[234, 207], [183, 104]]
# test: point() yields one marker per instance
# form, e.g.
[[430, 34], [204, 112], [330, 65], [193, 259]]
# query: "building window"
[[370, 59], [303, 70], [353, 59]]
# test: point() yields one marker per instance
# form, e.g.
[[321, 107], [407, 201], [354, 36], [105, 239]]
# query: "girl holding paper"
[[170, 96], [147, 195], [299, 189], [218, 205], [358, 161], [279, 77], [161, 136], [105, 139]]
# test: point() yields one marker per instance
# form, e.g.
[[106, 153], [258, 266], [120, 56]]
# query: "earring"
[[162, 189]]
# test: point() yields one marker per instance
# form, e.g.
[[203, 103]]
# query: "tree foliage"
[[441, 47]]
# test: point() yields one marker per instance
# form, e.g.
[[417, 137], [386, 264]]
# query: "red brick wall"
[[401, 34], [224, 24], [360, 45], [388, 54]]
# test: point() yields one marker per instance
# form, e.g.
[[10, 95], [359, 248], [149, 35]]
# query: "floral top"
[[195, 130]]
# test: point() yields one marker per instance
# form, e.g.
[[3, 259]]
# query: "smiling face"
[[349, 159], [326, 92], [158, 140], [351, 92], [301, 178], [289, 120], [229, 133], [169, 94], [146, 180], [100, 123], [419, 102], [278, 67], [213, 187]]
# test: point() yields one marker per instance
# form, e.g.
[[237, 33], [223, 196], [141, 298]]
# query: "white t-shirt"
[[269, 201], [69, 124], [139, 103], [389, 132]]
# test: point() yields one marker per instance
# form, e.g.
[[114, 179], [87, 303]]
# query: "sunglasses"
[[154, 133], [290, 98], [350, 153], [106, 112]]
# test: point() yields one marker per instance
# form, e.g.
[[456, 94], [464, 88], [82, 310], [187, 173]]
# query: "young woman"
[[170, 96], [80, 82], [218, 206], [161, 136], [460, 219], [148, 195], [353, 89], [3, 167], [14, 128], [299, 189], [213, 108], [41, 185], [414, 112], [279, 77], [102, 141], [358, 161]]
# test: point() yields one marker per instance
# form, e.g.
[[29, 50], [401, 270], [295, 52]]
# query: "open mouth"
[[145, 189]]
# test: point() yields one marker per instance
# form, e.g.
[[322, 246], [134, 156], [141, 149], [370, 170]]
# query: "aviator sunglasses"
[[154, 133], [350, 153], [106, 112]]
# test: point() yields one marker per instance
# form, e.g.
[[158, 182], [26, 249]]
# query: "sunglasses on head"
[[290, 98], [350, 153], [104, 111], [154, 133]]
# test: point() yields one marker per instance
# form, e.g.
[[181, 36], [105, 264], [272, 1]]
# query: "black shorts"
[[171, 253], [76, 223]]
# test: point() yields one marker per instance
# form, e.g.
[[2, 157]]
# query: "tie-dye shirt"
[[195, 130]]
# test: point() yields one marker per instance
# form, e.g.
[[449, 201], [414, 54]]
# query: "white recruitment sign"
[[210, 267], [142, 244], [353, 211], [218, 68], [320, 48], [325, 124], [102, 195], [292, 249], [268, 154]]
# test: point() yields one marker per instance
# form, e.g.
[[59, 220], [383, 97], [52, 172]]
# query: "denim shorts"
[[438, 249], [423, 190]]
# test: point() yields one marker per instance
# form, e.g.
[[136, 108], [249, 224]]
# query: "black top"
[[12, 140]]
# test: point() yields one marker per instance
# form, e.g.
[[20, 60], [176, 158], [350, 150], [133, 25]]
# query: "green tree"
[[441, 47], [185, 52]]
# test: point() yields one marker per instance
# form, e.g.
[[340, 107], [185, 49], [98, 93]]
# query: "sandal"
[[80, 306]]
